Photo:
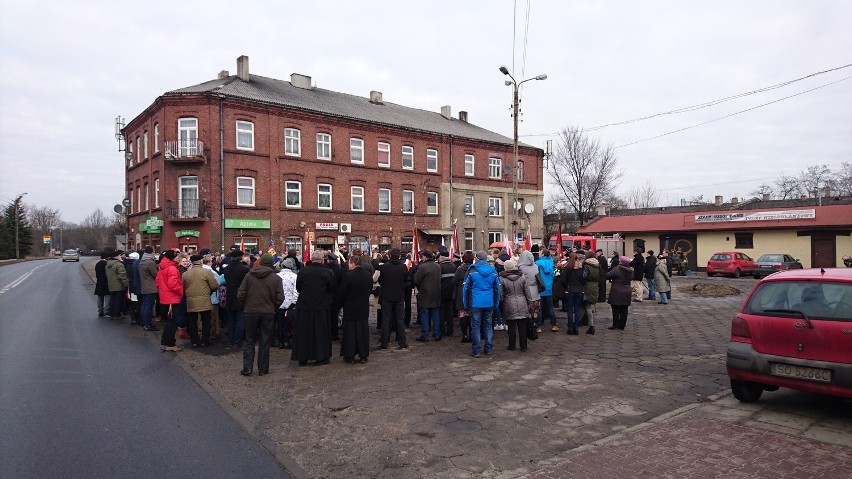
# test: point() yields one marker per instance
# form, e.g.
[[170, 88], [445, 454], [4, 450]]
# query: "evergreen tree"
[[15, 217]]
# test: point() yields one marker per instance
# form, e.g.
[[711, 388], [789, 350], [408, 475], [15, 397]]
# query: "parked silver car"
[[772, 263]]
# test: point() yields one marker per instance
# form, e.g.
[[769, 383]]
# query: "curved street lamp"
[[516, 84]]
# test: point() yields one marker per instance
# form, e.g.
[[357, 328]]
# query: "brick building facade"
[[249, 159]]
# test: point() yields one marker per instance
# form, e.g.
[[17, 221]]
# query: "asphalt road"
[[82, 396]]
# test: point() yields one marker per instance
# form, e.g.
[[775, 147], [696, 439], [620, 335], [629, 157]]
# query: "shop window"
[[744, 240]]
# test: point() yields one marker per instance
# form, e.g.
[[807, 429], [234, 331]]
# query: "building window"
[[384, 155], [188, 197], [138, 150], [384, 200], [294, 242], [407, 243], [468, 240], [245, 135], [156, 137], [520, 172], [495, 206], [323, 146], [292, 142], [432, 160], [138, 199], [145, 144], [431, 203], [744, 240], [324, 196], [407, 157], [357, 195], [293, 194], [188, 136], [360, 242], [494, 237], [468, 205], [494, 167], [408, 201], [130, 148], [468, 165], [356, 150], [130, 195], [147, 196], [245, 191], [156, 192]]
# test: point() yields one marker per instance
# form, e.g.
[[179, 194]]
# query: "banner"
[[415, 249], [559, 251]]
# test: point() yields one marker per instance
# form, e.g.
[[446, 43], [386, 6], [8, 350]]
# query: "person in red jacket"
[[170, 289]]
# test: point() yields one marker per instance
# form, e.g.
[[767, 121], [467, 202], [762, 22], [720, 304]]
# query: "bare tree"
[[763, 189], [645, 196], [583, 170], [787, 188], [41, 220], [814, 179], [843, 180]]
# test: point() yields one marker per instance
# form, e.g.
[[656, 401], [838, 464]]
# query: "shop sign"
[[757, 216], [45, 239], [327, 226], [153, 225], [244, 224], [180, 233]]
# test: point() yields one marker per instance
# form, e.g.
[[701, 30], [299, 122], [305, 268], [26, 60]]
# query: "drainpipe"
[[452, 201], [222, 169]]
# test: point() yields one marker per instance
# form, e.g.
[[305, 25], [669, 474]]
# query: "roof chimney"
[[602, 210], [463, 116], [735, 200], [243, 68], [719, 200], [447, 112], [300, 81], [766, 197], [376, 97], [224, 74]]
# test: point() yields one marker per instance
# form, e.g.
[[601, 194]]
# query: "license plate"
[[801, 372]]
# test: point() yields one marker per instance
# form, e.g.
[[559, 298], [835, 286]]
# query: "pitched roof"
[[283, 93], [824, 216]]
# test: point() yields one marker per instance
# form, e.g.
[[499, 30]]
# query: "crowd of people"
[[260, 301]]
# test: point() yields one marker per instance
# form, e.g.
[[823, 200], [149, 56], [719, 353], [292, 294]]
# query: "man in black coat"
[[334, 311], [235, 272], [604, 265], [101, 285], [448, 272], [315, 284], [650, 266], [638, 265], [393, 281], [354, 296]]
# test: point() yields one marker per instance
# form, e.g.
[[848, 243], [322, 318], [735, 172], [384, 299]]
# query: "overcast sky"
[[68, 68]]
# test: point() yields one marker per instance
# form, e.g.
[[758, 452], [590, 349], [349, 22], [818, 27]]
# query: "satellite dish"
[[518, 205], [507, 170], [529, 208], [118, 208], [126, 202]]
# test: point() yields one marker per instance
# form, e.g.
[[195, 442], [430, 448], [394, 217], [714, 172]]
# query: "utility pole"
[[17, 227]]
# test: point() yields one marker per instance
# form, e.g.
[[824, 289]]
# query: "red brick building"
[[248, 159]]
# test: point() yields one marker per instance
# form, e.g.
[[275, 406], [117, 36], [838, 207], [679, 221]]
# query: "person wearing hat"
[[427, 280], [620, 293], [516, 303], [481, 295], [131, 264], [287, 311], [102, 286], [261, 293], [117, 281], [234, 275], [147, 269], [448, 272], [198, 284], [170, 291]]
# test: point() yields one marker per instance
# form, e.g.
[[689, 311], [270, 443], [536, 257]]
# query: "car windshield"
[[771, 258], [831, 301], [720, 257]]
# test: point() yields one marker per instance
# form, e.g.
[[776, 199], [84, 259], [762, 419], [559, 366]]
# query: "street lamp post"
[[17, 227], [515, 103]]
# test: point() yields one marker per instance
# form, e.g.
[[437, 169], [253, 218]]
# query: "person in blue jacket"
[[481, 295], [545, 269]]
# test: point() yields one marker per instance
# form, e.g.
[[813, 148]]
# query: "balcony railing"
[[188, 150], [187, 209]]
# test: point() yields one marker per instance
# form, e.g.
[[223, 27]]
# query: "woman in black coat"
[[620, 292], [354, 296]]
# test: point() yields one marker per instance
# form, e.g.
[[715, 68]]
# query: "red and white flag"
[[454, 243], [559, 251], [528, 239], [308, 248], [415, 249]]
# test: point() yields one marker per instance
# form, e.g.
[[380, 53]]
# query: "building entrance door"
[[823, 251]]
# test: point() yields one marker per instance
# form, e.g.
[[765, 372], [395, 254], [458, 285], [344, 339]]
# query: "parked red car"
[[795, 331], [730, 262]]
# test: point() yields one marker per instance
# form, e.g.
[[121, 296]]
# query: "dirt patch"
[[709, 290]]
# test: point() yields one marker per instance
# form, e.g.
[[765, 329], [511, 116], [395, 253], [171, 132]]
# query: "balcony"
[[185, 151], [187, 209]]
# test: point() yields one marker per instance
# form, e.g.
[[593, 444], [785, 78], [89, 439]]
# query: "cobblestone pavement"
[[434, 411]]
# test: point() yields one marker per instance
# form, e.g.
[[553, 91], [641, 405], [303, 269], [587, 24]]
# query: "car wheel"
[[710, 275], [737, 273], [746, 391]]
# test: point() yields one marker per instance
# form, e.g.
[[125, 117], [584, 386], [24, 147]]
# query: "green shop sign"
[[242, 224], [180, 233], [153, 225]]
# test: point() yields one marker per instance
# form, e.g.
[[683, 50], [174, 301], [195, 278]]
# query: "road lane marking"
[[19, 280]]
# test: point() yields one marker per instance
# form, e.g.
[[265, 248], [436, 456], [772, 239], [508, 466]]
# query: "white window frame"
[[469, 200], [188, 189], [292, 142], [147, 196], [356, 145], [383, 149], [321, 194], [356, 193], [519, 173], [431, 157], [138, 150], [130, 195], [407, 157], [469, 164], [387, 192], [187, 136], [431, 209], [145, 144], [156, 192], [495, 236], [468, 241], [250, 185], [495, 164], [156, 137], [410, 199], [245, 131], [324, 146], [292, 186], [497, 203], [130, 147], [138, 199]]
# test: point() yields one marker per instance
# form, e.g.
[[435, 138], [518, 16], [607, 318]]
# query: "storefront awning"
[[437, 232]]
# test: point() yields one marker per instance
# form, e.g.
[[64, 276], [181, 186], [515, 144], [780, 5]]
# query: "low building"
[[246, 159]]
